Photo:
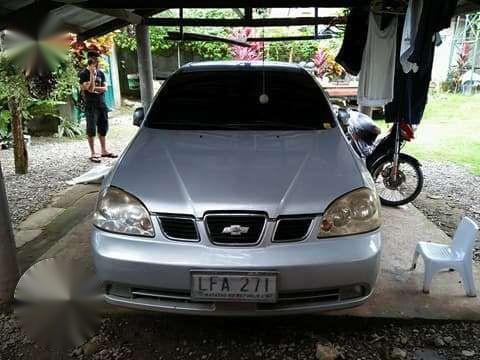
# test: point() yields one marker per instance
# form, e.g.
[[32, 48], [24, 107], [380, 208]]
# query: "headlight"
[[120, 212], [353, 213]]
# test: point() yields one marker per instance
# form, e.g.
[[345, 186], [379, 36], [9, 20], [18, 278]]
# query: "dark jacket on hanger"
[[410, 91], [436, 16], [354, 39]]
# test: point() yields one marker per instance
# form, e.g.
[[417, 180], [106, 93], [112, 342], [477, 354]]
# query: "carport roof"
[[96, 17]]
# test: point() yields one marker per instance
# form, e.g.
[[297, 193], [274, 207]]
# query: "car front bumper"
[[313, 275]]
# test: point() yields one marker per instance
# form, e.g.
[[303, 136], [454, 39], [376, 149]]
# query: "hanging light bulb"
[[264, 99]]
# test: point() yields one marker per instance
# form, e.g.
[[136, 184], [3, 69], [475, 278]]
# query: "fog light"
[[352, 292]]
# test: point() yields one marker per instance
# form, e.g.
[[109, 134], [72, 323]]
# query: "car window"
[[241, 100]]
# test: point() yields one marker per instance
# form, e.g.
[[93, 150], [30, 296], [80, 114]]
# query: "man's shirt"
[[100, 80]]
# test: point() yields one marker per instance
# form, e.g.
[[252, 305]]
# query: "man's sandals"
[[98, 158], [95, 159]]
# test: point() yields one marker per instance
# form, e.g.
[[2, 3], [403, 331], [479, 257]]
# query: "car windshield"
[[249, 99]]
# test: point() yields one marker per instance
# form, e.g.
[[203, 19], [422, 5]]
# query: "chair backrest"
[[465, 235]]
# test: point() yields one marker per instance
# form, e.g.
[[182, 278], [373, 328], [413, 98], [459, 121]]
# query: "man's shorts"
[[96, 115]]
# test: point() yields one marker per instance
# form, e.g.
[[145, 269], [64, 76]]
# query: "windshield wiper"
[[276, 125], [232, 126], [195, 125]]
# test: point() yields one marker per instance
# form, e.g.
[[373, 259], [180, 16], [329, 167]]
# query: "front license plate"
[[234, 287]]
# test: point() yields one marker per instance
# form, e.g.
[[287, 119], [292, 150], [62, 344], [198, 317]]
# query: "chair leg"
[[428, 277], [415, 258], [468, 280]]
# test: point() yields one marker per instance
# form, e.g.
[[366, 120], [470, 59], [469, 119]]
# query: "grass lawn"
[[449, 131]]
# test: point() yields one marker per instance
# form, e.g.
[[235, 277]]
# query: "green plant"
[[66, 81], [15, 93], [70, 128], [160, 44], [34, 77], [4, 123]]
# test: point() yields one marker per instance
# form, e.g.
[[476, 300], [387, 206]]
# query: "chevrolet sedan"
[[239, 195]]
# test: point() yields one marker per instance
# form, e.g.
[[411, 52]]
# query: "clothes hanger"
[[391, 7]]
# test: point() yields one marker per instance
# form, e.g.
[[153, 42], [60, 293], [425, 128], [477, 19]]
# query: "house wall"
[[163, 67]]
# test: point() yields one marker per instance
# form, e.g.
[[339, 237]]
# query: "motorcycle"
[[398, 177]]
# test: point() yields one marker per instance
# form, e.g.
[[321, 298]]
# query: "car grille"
[[292, 229], [179, 228], [285, 299], [241, 229]]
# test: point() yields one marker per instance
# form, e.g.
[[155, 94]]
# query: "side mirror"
[[138, 116], [343, 116]]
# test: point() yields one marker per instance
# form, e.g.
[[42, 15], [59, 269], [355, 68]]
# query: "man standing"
[[93, 84]]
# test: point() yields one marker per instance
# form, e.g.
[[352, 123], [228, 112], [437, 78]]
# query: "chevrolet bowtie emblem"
[[235, 230]]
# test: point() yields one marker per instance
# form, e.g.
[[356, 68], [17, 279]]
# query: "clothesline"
[[393, 51], [380, 7]]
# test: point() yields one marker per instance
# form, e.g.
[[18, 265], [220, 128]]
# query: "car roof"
[[241, 65]]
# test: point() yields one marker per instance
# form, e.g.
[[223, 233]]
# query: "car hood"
[[278, 172]]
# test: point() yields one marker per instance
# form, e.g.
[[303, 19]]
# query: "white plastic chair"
[[457, 256]]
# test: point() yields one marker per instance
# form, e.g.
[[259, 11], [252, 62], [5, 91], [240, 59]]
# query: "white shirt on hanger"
[[410, 28], [377, 75]]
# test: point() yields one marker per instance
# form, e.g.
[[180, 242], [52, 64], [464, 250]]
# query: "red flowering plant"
[[251, 53], [454, 78], [320, 60], [325, 65], [80, 49]]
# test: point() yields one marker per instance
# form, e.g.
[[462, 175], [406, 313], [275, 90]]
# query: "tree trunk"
[[19, 146], [8, 260]]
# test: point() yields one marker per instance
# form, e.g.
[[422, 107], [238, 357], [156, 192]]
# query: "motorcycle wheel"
[[409, 181]]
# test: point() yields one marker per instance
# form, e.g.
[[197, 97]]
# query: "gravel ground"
[[450, 192], [53, 161], [168, 337]]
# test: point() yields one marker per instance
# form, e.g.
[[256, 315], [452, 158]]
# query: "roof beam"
[[115, 24], [268, 22], [187, 36], [467, 7], [289, 38], [151, 4], [248, 13], [121, 14]]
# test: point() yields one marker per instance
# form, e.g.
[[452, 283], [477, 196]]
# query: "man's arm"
[[103, 87], [91, 83], [87, 80]]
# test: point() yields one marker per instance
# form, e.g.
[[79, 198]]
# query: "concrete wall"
[[163, 66], [442, 56]]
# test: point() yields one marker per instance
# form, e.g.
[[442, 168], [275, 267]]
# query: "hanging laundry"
[[354, 39], [375, 86], [410, 89], [410, 28], [436, 15]]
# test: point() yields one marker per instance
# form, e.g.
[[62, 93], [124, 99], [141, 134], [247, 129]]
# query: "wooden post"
[[8, 257], [145, 68], [19, 146]]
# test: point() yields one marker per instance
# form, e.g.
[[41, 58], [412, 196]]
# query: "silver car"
[[239, 195]]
